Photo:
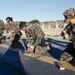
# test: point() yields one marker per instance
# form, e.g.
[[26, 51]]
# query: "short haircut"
[[22, 24], [9, 18]]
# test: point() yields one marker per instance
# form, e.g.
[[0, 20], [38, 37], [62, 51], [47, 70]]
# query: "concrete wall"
[[52, 31]]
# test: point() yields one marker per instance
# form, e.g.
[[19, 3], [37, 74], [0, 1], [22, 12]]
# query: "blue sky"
[[27, 10]]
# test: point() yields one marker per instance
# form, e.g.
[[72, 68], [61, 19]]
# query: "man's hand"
[[30, 46], [10, 31], [65, 34]]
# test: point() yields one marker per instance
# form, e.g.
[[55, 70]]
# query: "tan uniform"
[[16, 34]]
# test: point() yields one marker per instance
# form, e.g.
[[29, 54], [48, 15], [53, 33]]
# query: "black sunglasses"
[[8, 21]]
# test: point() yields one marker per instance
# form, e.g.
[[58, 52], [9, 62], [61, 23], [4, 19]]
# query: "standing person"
[[13, 29], [35, 38], [1, 29], [69, 33]]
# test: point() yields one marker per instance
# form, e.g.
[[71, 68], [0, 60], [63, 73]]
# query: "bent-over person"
[[35, 38]]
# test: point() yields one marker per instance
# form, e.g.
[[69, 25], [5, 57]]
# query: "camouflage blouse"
[[34, 35], [14, 27]]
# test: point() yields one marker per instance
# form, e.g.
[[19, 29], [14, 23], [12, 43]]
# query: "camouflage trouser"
[[40, 50], [69, 53], [66, 57]]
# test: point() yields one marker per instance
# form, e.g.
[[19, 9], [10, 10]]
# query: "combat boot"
[[14, 45]]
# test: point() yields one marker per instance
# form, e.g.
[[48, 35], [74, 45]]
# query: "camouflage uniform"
[[36, 37], [1, 28], [16, 34], [69, 52]]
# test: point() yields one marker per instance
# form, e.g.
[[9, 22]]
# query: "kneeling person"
[[35, 38], [13, 29], [69, 33]]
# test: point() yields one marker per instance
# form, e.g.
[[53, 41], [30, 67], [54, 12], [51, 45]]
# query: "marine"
[[13, 29], [69, 33], [35, 38]]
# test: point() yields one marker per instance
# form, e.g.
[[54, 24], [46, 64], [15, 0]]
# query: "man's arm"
[[66, 32]]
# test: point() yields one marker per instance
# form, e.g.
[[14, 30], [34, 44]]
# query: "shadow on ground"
[[56, 53], [8, 58], [14, 63]]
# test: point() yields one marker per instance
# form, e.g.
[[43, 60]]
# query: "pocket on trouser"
[[66, 57]]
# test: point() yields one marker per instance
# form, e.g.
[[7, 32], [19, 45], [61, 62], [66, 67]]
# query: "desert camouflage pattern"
[[16, 35], [14, 27]]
